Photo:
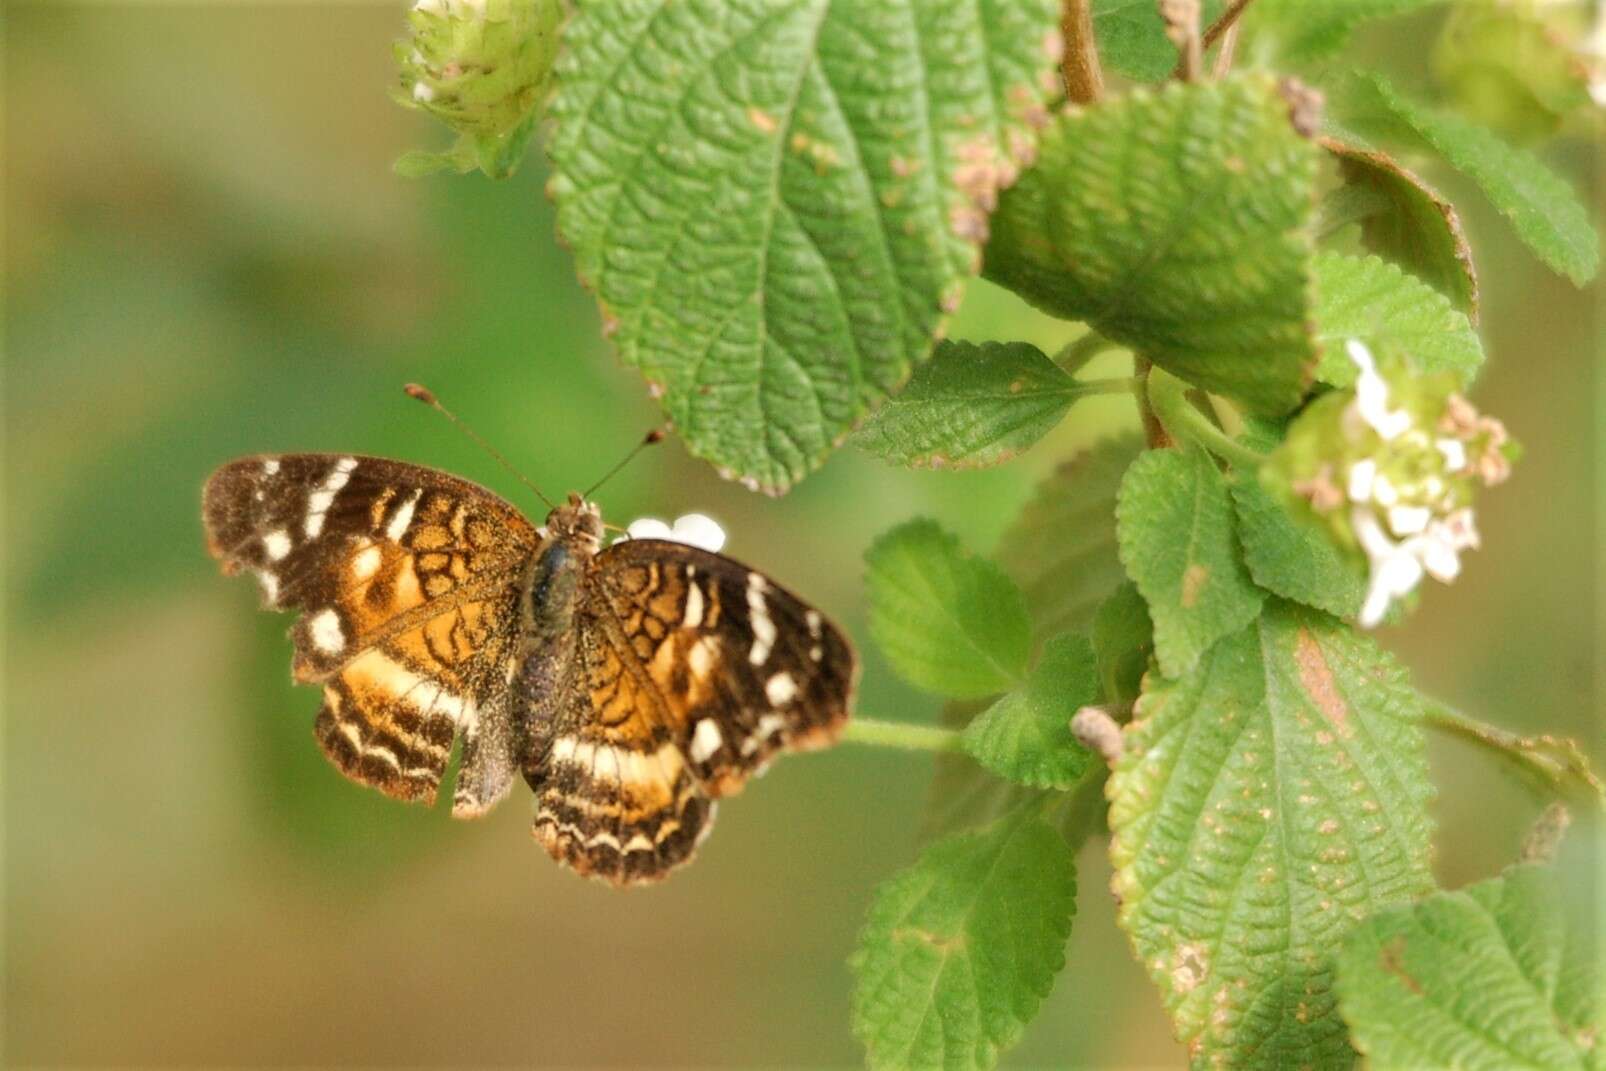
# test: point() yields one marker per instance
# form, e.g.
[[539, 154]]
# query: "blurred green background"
[[207, 254]]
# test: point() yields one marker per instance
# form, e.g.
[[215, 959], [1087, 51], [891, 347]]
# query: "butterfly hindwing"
[[406, 577]]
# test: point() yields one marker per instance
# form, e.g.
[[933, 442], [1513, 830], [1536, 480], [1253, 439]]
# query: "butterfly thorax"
[[573, 536]]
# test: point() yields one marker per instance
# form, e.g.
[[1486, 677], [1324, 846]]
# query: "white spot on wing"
[[270, 467], [277, 544], [402, 518], [705, 740], [758, 614], [319, 501], [780, 689], [769, 725], [270, 585], [694, 606], [367, 562], [812, 619], [327, 636]]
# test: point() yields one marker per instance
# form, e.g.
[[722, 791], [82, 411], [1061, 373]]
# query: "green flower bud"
[[482, 67]]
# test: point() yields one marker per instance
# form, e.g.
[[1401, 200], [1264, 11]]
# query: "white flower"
[[1372, 395], [693, 529], [1397, 567]]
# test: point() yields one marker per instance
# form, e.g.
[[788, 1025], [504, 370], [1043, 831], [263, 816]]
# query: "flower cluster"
[[481, 67], [694, 529], [1392, 469]]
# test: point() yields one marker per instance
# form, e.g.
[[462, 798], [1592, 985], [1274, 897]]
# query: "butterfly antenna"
[[656, 435], [427, 396]]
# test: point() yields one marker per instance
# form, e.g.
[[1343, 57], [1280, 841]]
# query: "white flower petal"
[[1383, 492], [1439, 558], [1409, 520], [699, 531], [1455, 453], [1361, 475], [422, 92], [649, 528]]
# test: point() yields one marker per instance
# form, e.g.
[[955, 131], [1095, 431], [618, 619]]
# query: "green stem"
[[1117, 385], [1169, 397], [1556, 762], [901, 735], [1076, 353]]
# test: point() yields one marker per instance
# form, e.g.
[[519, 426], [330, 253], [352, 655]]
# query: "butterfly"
[[632, 685]]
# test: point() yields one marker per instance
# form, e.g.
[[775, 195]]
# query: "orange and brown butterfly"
[[632, 685]]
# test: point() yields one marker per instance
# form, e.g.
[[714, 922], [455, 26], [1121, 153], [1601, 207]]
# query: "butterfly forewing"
[[406, 576]]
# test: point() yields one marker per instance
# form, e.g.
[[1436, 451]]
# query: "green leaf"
[[777, 204], [1175, 525], [971, 405], [1025, 736], [1392, 312], [948, 621], [1123, 640], [1295, 560], [1520, 69], [1266, 803], [1542, 207], [1061, 549], [1175, 223], [1131, 37], [1305, 32], [960, 949], [1416, 227], [1485, 977]]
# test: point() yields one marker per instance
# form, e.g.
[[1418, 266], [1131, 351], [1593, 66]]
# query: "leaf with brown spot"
[[1486, 977], [1175, 523], [1249, 835]]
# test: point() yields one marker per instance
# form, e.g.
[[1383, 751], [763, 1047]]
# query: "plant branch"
[[1557, 762], [1077, 352], [1080, 67], [1229, 48], [1117, 385], [1154, 432], [1228, 21], [901, 735], [1169, 397]]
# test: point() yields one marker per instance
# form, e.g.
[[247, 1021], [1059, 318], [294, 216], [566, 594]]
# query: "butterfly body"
[[631, 686]]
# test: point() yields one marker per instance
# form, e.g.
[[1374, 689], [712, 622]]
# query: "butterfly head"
[[577, 523]]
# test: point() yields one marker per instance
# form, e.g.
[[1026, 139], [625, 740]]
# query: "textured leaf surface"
[[948, 621], [1025, 736], [1482, 978], [1131, 37], [1392, 312], [776, 202], [1545, 211], [1290, 559], [1061, 549], [1266, 803], [1175, 222], [1123, 640], [1175, 526], [1416, 227], [971, 405], [960, 949]]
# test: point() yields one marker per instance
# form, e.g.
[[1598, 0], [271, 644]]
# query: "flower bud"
[[481, 67]]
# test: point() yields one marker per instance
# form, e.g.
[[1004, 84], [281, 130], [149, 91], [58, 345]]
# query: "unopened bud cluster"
[[1392, 467], [480, 66]]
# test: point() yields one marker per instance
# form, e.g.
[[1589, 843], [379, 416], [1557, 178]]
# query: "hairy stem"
[[1558, 763], [1169, 397], [1084, 76], [896, 734]]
